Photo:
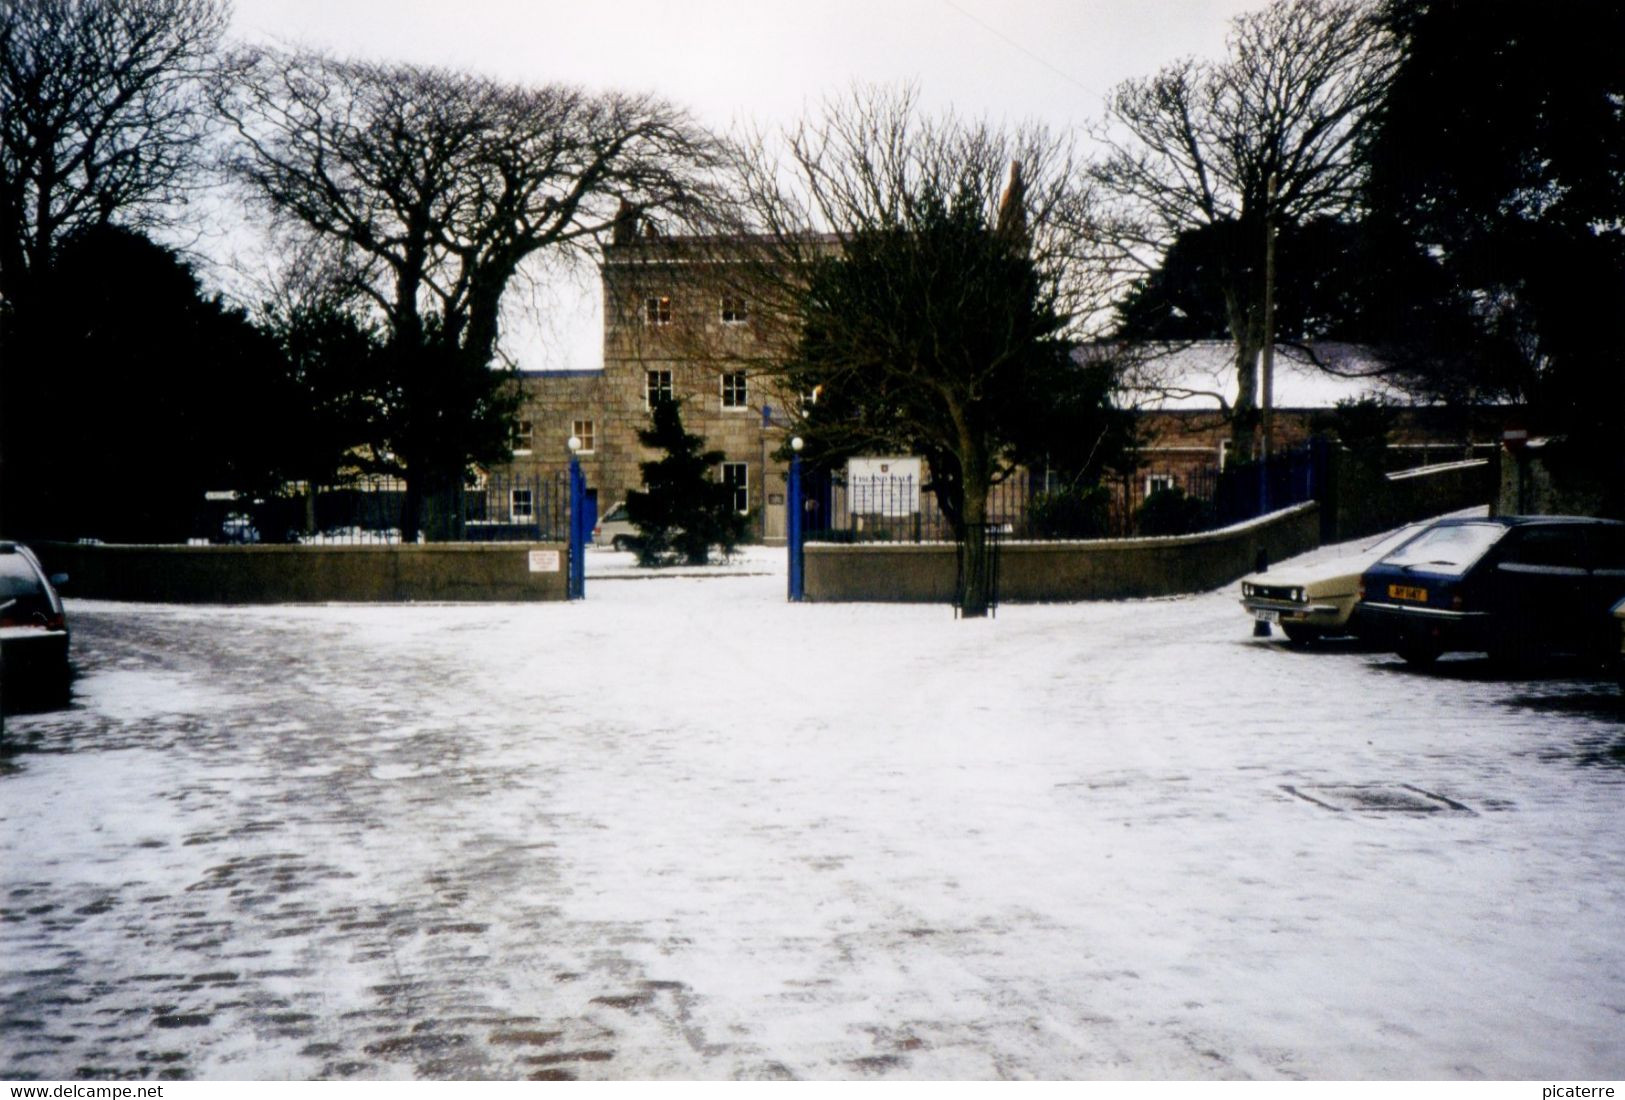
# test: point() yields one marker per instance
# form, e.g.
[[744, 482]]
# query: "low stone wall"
[[310, 574], [1368, 501], [1040, 572]]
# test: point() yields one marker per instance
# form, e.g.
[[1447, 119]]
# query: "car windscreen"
[[1450, 550], [1391, 541], [18, 578]]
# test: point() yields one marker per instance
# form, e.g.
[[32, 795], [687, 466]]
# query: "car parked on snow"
[[1313, 601], [1619, 637], [615, 530], [1516, 587], [33, 626]]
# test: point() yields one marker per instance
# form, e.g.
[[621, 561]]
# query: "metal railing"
[[902, 509], [373, 511]]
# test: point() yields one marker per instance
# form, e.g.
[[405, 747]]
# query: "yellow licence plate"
[[1405, 592]]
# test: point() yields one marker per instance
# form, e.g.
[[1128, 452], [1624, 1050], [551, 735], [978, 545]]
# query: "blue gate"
[[581, 525]]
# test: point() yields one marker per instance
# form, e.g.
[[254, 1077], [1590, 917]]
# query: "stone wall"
[[1541, 480], [1040, 572], [1368, 500], [310, 574]]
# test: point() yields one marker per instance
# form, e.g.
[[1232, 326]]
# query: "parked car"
[[1312, 601], [1516, 587], [1619, 637], [238, 529], [615, 530], [33, 626]]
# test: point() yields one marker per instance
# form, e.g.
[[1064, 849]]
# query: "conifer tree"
[[682, 511]]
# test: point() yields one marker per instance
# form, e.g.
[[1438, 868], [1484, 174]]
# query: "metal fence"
[[902, 509], [373, 511]]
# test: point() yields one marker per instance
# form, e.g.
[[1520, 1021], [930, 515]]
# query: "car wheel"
[[621, 542], [1419, 652], [1298, 634], [1508, 654]]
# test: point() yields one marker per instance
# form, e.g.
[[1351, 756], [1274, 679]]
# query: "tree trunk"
[[1244, 417], [974, 595]]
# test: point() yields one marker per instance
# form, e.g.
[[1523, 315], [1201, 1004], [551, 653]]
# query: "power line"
[[1013, 44]]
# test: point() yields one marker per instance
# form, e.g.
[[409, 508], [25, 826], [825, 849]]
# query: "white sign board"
[[883, 486], [544, 561]]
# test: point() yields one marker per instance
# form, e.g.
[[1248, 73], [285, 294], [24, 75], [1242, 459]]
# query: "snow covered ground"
[[684, 829]]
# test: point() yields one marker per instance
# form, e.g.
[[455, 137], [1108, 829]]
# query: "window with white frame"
[[656, 387], [523, 435], [1158, 481], [521, 508], [735, 393], [736, 476], [657, 310], [735, 311], [1224, 453], [583, 431]]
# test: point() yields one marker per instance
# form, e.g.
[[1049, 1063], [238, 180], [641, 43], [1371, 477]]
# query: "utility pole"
[[1268, 355]]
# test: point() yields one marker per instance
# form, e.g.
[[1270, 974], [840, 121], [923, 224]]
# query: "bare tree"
[[926, 274], [433, 188], [102, 114], [1195, 147]]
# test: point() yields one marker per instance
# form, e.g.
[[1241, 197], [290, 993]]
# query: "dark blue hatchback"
[[1516, 587]]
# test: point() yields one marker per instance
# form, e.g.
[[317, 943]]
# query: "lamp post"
[[1267, 353], [576, 583], [792, 526]]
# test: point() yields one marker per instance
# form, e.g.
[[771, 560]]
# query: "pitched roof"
[[1202, 375]]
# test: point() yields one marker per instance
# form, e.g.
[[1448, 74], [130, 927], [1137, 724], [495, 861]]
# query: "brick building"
[[1185, 432]]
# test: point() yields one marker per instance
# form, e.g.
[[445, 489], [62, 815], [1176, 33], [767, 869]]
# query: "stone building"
[[675, 326]]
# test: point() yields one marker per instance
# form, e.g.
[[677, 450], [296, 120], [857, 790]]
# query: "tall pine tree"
[[682, 511]]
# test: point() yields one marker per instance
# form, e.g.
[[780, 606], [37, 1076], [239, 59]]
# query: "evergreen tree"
[[682, 511]]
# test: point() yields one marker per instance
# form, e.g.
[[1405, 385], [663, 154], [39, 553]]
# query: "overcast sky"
[[766, 61]]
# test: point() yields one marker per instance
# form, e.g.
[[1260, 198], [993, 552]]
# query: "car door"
[[1605, 584], [1539, 588]]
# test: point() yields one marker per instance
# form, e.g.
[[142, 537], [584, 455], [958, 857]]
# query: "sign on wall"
[[883, 486]]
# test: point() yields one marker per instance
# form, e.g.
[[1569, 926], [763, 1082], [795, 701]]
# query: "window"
[[734, 391], [735, 311], [1451, 550], [656, 387], [657, 310], [522, 436], [520, 506], [1158, 481], [736, 476], [1547, 547], [1224, 453], [582, 430]]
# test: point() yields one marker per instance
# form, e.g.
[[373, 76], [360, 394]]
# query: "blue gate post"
[[792, 525], [576, 582]]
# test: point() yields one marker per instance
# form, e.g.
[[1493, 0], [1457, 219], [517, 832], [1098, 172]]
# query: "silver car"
[[615, 530]]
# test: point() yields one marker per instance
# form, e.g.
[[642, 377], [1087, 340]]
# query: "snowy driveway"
[[686, 830]]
